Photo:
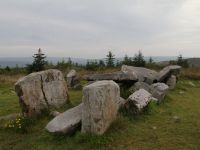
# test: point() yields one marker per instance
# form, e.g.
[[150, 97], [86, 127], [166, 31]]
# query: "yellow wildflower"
[[5, 125], [20, 127], [10, 126], [17, 122], [18, 119]]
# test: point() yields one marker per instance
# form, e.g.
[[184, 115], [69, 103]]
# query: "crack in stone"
[[44, 92]]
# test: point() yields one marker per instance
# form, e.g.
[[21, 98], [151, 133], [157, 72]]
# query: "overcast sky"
[[91, 28]]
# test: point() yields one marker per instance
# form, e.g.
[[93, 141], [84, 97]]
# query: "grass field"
[[154, 129]]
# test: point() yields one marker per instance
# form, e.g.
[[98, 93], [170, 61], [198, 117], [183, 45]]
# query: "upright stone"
[[73, 81], [100, 106], [41, 90], [171, 82], [137, 101]]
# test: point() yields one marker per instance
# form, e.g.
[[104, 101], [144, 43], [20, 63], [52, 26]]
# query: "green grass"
[[127, 132]]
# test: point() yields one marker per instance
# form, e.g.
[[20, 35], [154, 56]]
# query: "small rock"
[[11, 116], [190, 83], [154, 99], [54, 113], [175, 117], [154, 128], [181, 92]]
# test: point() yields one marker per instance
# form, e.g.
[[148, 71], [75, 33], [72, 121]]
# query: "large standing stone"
[[120, 76], [166, 73], [41, 90], [171, 82], [159, 91], [73, 81], [143, 74], [67, 122], [137, 101], [100, 106]]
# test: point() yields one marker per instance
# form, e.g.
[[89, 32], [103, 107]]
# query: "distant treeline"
[[40, 63]]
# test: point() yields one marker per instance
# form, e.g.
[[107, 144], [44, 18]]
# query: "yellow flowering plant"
[[19, 124]]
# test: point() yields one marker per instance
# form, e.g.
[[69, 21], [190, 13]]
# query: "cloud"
[[90, 28]]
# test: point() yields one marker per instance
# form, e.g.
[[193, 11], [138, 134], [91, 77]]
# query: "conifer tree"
[[38, 64], [138, 60], [110, 60]]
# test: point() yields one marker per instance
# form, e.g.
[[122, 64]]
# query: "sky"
[[90, 28]]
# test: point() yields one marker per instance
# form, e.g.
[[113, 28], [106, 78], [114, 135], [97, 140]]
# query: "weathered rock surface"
[[141, 85], [159, 91], [171, 82], [67, 122], [144, 75], [166, 73], [11, 116], [121, 102], [41, 90], [137, 101], [120, 76], [73, 81], [100, 106]]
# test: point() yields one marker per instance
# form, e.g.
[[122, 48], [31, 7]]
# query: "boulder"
[[166, 73], [144, 75], [100, 106], [73, 81], [141, 85], [121, 102], [171, 82], [159, 91], [137, 101], [67, 122], [54, 113], [41, 90], [120, 76], [11, 116]]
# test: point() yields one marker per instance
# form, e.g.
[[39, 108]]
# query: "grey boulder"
[[73, 81], [67, 122], [41, 90], [137, 101], [166, 73], [120, 76], [171, 82], [141, 85], [159, 91], [144, 75]]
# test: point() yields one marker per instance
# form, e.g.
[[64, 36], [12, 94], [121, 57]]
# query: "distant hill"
[[191, 61], [194, 61], [22, 61]]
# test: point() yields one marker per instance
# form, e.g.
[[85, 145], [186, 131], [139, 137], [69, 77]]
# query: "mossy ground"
[[154, 129]]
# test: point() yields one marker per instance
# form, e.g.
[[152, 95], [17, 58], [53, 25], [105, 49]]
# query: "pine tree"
[[110, 60], [138, 60], [182, 62], [150, 60], [38, 64]]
